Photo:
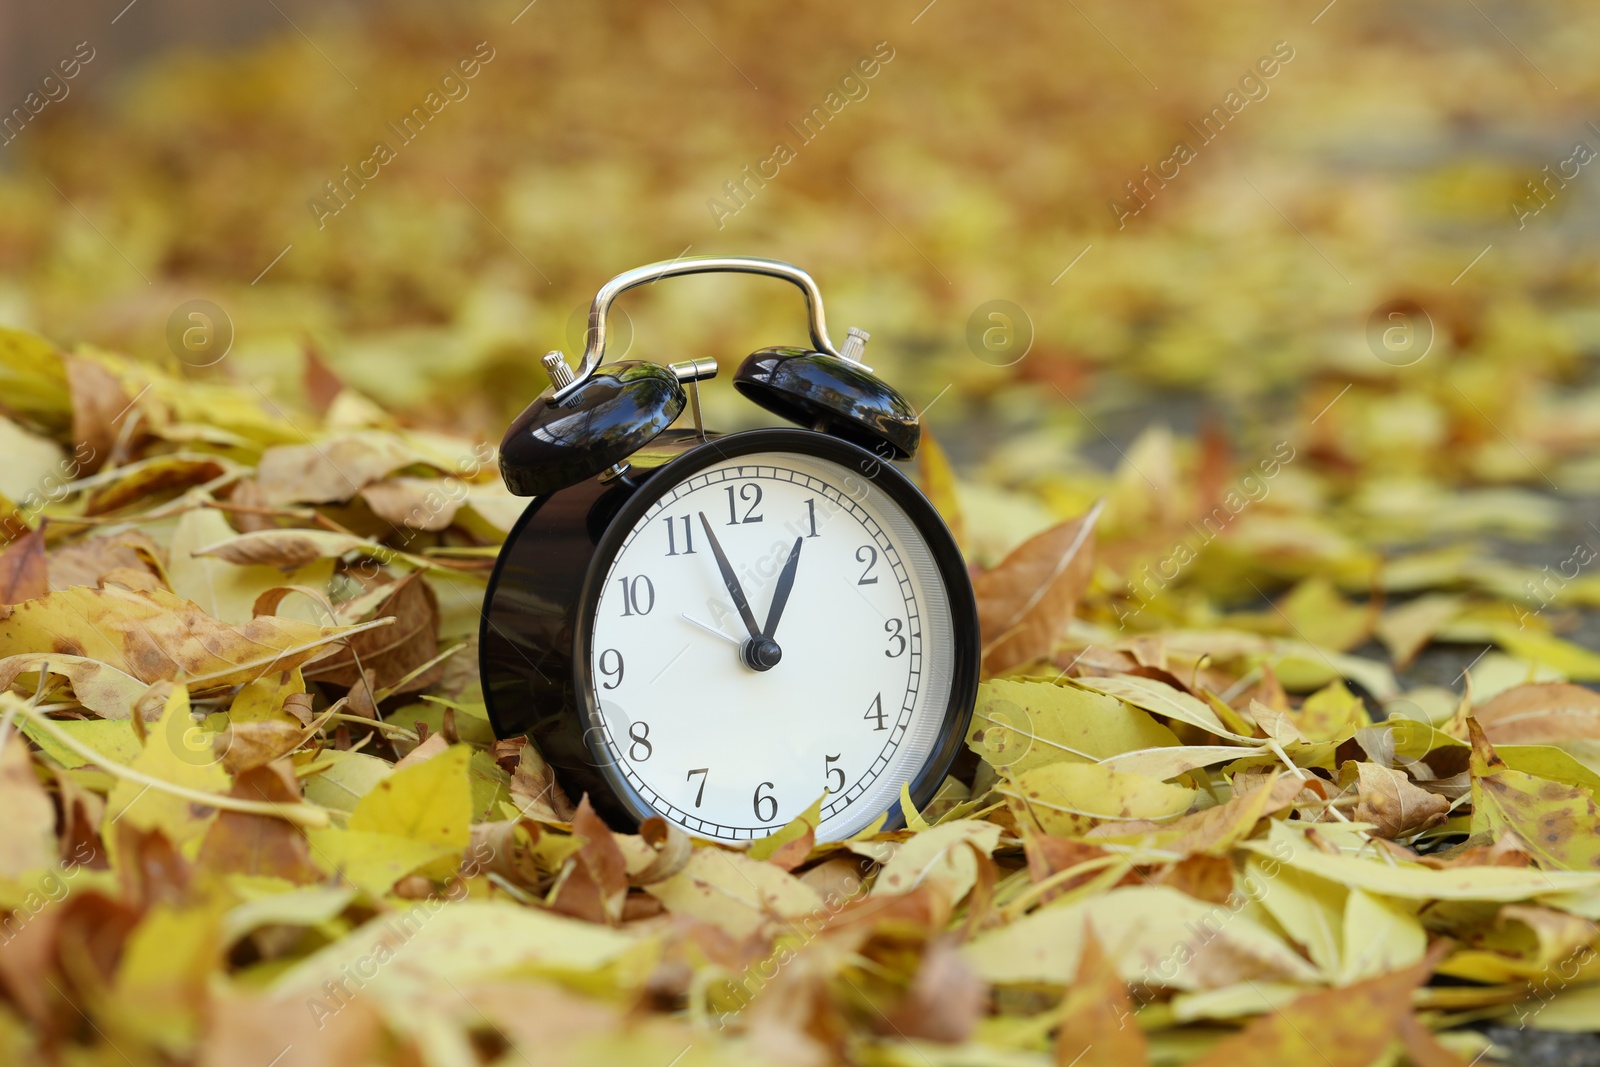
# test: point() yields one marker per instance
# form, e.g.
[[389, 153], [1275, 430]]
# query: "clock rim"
[[925, 519]]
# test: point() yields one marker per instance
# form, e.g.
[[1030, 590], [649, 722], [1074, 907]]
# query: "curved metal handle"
[[594, 350]]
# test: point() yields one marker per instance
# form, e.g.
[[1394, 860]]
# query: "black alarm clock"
[[720, 629]]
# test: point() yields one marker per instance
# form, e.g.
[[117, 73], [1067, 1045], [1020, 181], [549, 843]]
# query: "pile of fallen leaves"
[[254, 808], [1236, 790]]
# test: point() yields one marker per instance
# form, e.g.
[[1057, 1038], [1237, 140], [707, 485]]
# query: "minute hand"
[[780, 594], [731, 580]]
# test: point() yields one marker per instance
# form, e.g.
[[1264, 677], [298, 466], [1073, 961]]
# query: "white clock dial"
[[854, 704]]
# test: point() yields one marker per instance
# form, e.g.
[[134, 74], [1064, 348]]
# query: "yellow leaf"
[[114, 738], [1020, 725], [1332, 713], [1414, 881], [1558, 824], [168, 755], [160, 987], [1380, 935], [227, 587], [942, 856], [938, 482], [1159, 698], [156, 636], [99, 687], [1153, 934], [734, 892], [795, 830], [429, 802], [348, 777], [1062, 796], [373, 861]]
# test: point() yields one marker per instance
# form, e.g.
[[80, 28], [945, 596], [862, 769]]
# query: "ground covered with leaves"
[[1285, 752]]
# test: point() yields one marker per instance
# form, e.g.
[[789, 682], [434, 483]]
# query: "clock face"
[[834, 678]]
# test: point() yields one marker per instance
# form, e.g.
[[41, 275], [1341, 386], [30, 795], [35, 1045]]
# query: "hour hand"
[[780, 595], [731, 580]]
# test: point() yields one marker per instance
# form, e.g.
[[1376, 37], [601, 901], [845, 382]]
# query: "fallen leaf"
[[393, 657], [942, 857], [1097, 1017], [1540, 713], [156, 636], [1026, 600], [1153, 935], [937, 479], [330, 471], [1069, 799], [1020, 725], [99, 406], [1558, 824], [1355, 1025], [241, 1024], [1393, 804], [28, 831], [430, 802], [99, 687], [734, 893], [596, 882], [168, 755], [1405, 630], [260, 845], [128, 557], [24, 572], [415, 503]]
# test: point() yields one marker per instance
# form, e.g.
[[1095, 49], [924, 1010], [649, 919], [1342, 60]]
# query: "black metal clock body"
[[620, 631], [538, 661]]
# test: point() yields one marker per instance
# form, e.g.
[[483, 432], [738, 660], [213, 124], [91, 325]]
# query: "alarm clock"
[[719, 629]]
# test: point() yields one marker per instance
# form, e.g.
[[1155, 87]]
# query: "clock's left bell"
[[569, 435]]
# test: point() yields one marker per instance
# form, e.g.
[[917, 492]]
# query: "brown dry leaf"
[[1097, 1024], [945, 1000], [28, 828], [388, 655], [99, 406], [1393, 803], [156, 636], [129, 558], [1026, 600], [596, 882], [286, 550], [136, 482], [248, 745], [414, 503], [261, 845], [535, 790], [1541, 713], [332, 471], [1348, 1027], [24, 573], [1423, 1049], [243, 1029]]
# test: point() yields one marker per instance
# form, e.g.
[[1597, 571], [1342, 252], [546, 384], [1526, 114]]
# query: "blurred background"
[[1102, 244]]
